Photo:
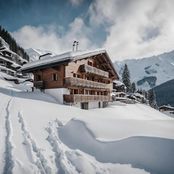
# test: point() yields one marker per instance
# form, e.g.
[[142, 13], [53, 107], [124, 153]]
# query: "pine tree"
[[12, 43], [133, 87], [1, 45], [152, 99], [126, 78]]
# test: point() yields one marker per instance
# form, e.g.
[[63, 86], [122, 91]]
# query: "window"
[[81, 91], [75, 91], [71, 91], [38, 77], [54, 77], [99, 105], [89, 63]]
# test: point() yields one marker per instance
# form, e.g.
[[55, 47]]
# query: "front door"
[[84, 105], [99, 105]]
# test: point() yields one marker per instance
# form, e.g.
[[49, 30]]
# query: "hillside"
[[151, 71], [39, 135], [10, 43], [10, 62], [165, 93]]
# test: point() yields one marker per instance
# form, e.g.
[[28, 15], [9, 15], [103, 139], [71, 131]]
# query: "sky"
[[126, 28]]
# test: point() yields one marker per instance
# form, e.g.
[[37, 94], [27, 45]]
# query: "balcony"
[[85, 98], [93, 70], [72, 81], [11, 60], [39, 84]]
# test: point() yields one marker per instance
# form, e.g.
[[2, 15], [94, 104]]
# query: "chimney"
[[77, 44], [74, 44]]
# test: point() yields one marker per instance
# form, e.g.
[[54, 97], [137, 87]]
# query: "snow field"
[[41, 136]]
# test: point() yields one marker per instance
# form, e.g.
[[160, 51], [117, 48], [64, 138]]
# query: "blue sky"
[[127, 29], [16, 13]]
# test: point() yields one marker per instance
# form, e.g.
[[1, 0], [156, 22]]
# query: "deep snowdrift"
[[38, 135], [142, 152]]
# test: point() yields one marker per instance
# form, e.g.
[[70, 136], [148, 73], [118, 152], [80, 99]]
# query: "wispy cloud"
[[136, 28], [47, 38], [76, 2], [133, 29]]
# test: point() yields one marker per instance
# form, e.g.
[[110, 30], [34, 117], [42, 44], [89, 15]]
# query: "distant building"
[[119, 90], [166, 108], [10, 62], [119, 86], [81, 78]]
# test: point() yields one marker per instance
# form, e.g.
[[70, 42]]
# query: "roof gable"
[[68, 57]]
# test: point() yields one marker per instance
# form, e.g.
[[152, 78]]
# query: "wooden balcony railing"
[[85, 98], [93, 70], [72, 81]]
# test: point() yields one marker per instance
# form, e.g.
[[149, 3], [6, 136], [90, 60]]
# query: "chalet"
[[166, 108], [81, 78], [118, 86], [10, 62]]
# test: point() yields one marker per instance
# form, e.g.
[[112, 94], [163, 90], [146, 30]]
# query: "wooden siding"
[[93, 70], [73, 67], [47, 77], [93, 84], [85, 98], [72, 81]]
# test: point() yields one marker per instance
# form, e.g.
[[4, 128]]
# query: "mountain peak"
[[151, 71]]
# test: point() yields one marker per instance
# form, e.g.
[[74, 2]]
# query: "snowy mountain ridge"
[[150, 71]]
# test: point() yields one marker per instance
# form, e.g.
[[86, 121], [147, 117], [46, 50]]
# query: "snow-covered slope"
[[151, 71], [38, 135], [5, 44], [35, 53]]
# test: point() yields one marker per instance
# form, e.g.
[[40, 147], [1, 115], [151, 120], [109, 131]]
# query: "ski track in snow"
[[61, 159], [9, 163], [71, 161], [36, 155], [3, 133], [69, 158]]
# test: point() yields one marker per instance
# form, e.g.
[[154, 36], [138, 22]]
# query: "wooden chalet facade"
[[77, 78]]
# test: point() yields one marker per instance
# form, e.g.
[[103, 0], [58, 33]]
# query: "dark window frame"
[[38, 77], [55, 77]]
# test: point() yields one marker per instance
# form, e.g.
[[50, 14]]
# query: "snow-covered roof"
[[5, 68], [13, 53], [167, 107], [5, 59], [67, 56], [14, 64], [118, 83], [138, 95], [118, 93]]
